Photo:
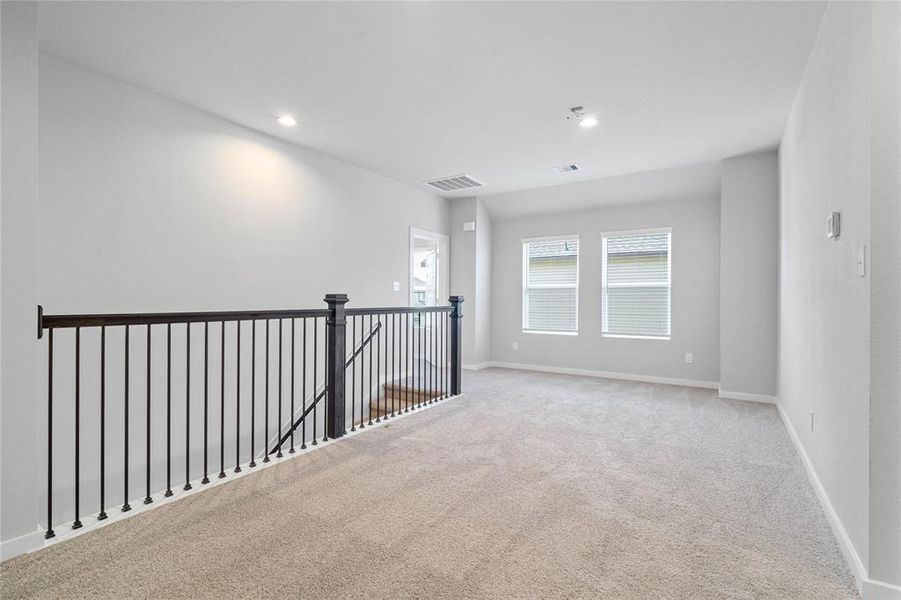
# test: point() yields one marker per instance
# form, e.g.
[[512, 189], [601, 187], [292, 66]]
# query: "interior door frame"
[[443, 263]]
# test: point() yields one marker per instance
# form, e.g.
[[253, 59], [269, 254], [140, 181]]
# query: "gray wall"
[[839, 153], [749, 257], [885, 297], [471, 276], [695, 300], [482, 311], [19, 412], [147, 204]]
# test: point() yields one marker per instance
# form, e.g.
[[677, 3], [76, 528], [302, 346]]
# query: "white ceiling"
[[418, 90], [691, 182]]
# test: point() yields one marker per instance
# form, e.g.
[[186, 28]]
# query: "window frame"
[[525, 283], [669, 283]]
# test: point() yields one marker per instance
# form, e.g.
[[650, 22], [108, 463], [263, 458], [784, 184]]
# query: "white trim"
[[636, 337], [21, 545], [651, 230], [748, 397], [540, 332], [525, 281], [550, 238], [442, 281], [841, 536], [477, 366], [668, 285], [607, 374], [880, 590]]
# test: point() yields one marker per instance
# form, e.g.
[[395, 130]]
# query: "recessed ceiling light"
[[287, 120], [578, 113]]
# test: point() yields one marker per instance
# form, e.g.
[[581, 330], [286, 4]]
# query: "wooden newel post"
[[456, 349], [336, 350]]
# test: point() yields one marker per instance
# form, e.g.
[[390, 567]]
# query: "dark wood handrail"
[[121, 319]]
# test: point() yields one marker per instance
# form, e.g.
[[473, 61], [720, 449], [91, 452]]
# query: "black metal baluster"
[[77, 522], [315, 388], [279, 453], [168, 410], [353, 375], [433, 397], [102, 515], [222, 402], [443, 356], [421, 363], [370, 369], [125, 505], [291, 418], [393, 358], [384, 386], [49, 533], [362, 368], [378, 352], [303, 385], [238, 397], [407, 366], [147, 498], [206, 401], [325, 380], [266, 455], [253, 391], [187, 407]]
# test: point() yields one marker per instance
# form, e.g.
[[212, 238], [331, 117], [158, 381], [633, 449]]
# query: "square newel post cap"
[[455, 299], [335, 298]]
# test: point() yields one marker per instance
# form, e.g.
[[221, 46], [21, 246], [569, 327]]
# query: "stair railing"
[[157, 376]]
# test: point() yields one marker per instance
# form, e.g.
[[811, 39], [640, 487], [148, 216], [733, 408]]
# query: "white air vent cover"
[[566, 169], [454, 183]]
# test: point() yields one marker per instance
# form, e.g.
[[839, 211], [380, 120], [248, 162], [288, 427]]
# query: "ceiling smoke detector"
[[454, 183], [563, 169], [577, 113]]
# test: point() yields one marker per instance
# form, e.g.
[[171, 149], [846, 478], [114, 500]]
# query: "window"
[[635, 284], [550, 282]]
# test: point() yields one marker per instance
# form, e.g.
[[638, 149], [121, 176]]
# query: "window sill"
[[637, 337], [534, 331]]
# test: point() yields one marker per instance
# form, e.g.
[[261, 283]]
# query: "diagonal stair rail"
[[188, 388]]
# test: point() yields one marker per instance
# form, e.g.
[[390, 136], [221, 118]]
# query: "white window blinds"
[[550, 298], [636, 284]]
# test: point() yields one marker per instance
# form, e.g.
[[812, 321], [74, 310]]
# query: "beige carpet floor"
[[531, 486]]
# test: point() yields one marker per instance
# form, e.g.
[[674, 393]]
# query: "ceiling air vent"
[[454, 183], [566, 169]]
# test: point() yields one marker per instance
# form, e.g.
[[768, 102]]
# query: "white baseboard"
[[879, 590], [745, 396], [605, 374], [838, 529], [21, 545], [35, 541], [477, 366]]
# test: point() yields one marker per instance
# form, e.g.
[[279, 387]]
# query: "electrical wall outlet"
[[689, 358], [516, 345], [396, 286]]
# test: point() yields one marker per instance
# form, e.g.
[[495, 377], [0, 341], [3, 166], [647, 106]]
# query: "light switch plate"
[[689, 358], [396, 286], [862, 260], [833, 225]]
